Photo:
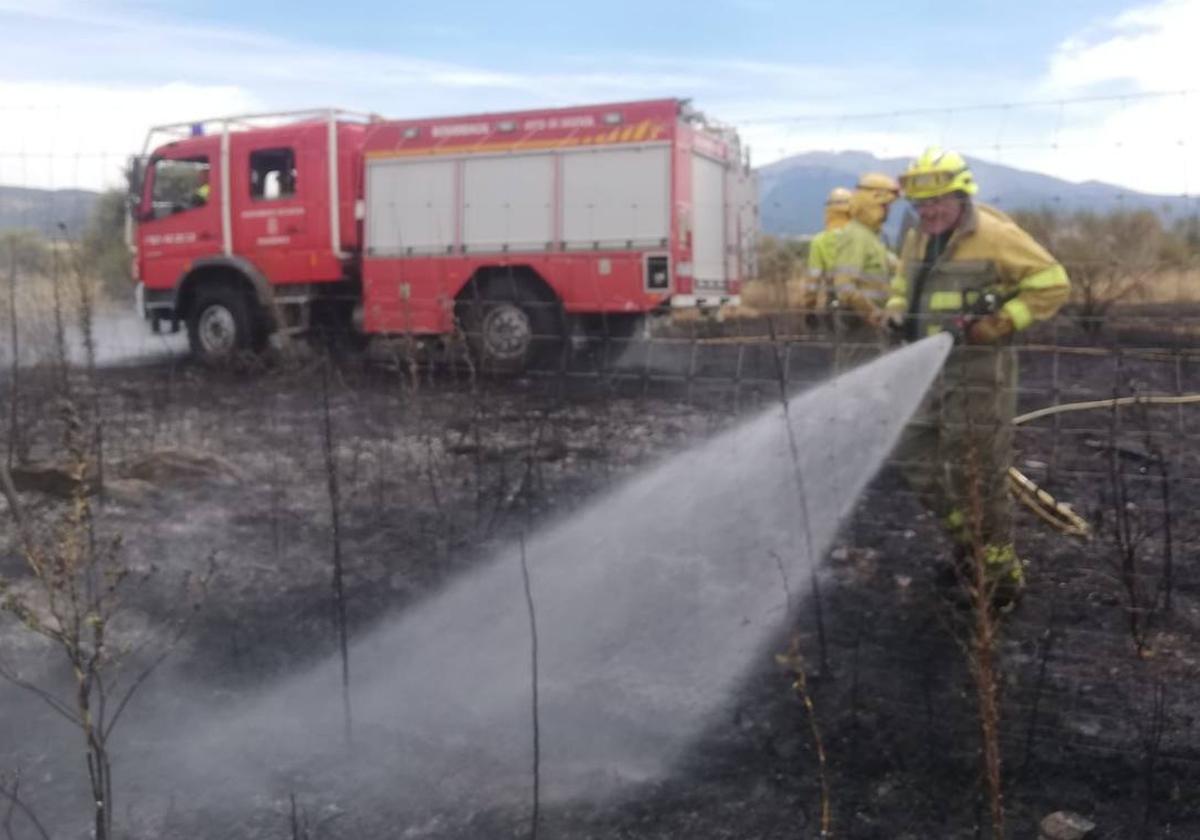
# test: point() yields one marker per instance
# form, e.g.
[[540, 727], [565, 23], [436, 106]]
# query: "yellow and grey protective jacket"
[[820, 253], [862, 268], [820, 268], [987, 252]]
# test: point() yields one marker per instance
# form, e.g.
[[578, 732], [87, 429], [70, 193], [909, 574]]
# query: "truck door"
[[180, 216], [276, 226], [741, 222], [708, 220]]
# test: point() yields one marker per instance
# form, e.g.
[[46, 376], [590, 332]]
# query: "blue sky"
[[771, 31], [80, 80]]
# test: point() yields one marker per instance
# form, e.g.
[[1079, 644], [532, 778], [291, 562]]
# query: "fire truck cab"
[[242, 233], [503, 228]]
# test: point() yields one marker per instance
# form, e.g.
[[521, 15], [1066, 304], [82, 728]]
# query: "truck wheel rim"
[[218, 330], [507, 332]]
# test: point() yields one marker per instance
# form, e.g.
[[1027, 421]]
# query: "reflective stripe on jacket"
[[820, 267], [988, 252], [820, 253], [862, 268]]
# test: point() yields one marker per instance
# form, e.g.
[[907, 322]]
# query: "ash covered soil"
[[436, 472]]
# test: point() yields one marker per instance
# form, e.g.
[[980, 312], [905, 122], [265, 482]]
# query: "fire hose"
[[1059, 515], [1046, 507]]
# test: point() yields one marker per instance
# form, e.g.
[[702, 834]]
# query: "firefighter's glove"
[[892, 324], [989, 329]]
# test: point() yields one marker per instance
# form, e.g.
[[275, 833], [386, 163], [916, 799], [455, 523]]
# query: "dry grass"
[[36, 303], [1170, 286]]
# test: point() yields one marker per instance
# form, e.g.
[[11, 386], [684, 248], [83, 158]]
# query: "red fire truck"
[[504, 228]]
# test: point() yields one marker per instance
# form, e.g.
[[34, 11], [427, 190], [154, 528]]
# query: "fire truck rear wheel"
[[222, 325], [506, 332], [510, 332]]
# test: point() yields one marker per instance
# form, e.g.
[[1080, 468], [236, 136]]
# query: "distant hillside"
[[792, 191], [792, 194], [43, 210]]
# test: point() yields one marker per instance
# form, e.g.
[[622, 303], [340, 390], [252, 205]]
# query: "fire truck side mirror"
[[136, 176]]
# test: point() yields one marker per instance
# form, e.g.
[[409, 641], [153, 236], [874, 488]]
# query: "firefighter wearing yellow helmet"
[[862, 263], [968, 268], [821, 249], [862, 267]]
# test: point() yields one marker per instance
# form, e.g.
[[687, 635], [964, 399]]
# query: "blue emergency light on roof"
[[197, 129]]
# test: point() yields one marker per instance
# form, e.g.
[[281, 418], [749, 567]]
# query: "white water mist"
[[651, 604]]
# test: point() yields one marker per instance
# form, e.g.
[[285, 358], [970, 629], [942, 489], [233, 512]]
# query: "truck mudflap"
[[155, 307]]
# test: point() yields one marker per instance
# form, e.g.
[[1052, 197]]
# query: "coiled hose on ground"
[[1046, 507]]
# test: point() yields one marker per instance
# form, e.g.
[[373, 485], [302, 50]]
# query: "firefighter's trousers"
[[956, 451]]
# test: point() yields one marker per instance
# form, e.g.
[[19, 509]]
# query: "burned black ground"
[[437, 470]]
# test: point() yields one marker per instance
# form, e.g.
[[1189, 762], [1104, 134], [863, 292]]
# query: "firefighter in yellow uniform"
[[970, 269], [821, 248], [202, 190], [807, 290], [862, 269]]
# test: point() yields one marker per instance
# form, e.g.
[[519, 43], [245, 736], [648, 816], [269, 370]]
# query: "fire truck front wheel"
[[221, 325]]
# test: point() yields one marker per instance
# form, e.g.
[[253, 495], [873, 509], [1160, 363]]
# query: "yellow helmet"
[[936, 173], [872, 196], [837, 208], [883, 189], [838, 197]]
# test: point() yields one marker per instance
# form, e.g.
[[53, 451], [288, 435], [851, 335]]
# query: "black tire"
[[510, 327], [222, 325]]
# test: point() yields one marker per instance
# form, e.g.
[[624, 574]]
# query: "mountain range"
[[791, 194], [25, 208], [792, 191]]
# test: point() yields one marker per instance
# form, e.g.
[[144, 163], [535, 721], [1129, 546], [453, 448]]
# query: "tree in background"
[[1187, 232], [1114, 257], [780, 259], [99, 249], [104, 252], [24, 251], [780, 283]]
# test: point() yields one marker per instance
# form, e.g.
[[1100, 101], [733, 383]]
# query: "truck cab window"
[[180, 185], [272, 174]]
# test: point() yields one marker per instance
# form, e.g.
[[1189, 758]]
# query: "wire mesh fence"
[[438, 463]]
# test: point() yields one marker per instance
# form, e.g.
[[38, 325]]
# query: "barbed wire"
[[689, 374], [1058, 102]]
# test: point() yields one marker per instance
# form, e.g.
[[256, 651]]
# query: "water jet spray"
[[652, 603]]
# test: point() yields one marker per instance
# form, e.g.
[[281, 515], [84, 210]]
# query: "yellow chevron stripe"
[[1018, 311], [1047, 278], [945, 301], [516, 145]]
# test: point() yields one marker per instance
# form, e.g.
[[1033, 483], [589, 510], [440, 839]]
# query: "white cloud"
[[1095, 113], [1146, 135], [1149, 145], [73, 122], [1117, 103], [79, 135], [1152, 47], [127, 66], [123, 70]]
